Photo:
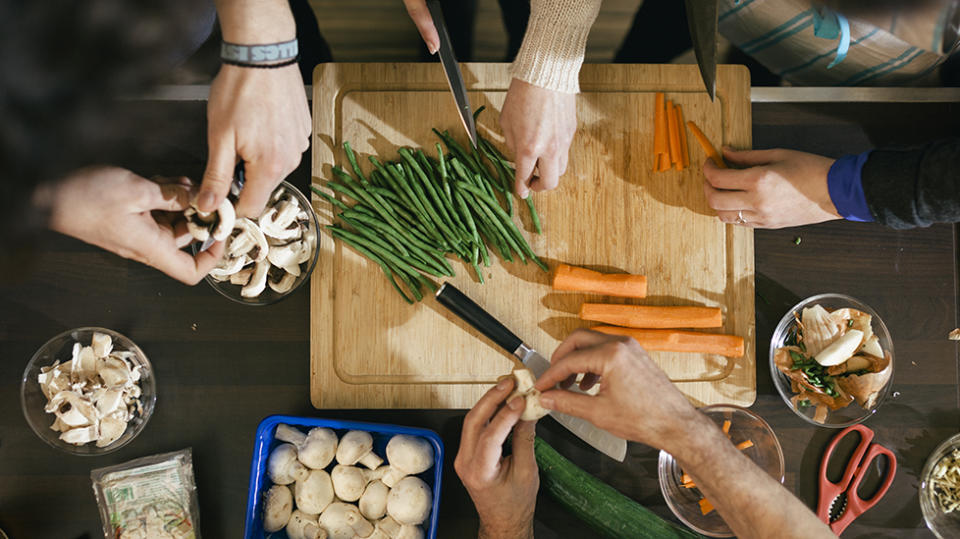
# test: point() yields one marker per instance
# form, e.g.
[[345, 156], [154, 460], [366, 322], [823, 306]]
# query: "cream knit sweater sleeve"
[[553, 47]]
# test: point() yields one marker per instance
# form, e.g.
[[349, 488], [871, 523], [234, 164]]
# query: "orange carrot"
[[673, 129], [664, 162], [705, 144], [705, 506], [577, 279], [726, 427], [649, 316], [659, 142], [745, 445], [684, 152], [686, 478], [672, 340]]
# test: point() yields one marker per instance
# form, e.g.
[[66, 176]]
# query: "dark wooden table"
[[222, 367]]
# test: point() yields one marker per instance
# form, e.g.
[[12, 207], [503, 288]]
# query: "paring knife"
[[235, 188], [459, 304], [702, 20], [452, 70]]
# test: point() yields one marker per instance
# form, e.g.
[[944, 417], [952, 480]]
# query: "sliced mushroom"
[[284, 284], [241, 277], [280, 221], [102, 344], [203, 225], [258, 281], [111, 428], [229, 266], [285, 255]]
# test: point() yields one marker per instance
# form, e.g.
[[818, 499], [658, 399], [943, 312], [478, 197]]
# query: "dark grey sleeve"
[[914, 187]]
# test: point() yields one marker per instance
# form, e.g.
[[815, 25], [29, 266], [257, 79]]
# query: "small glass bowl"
[[60, 347], [852, 413], [943, 525], [269, 296], [765, 453]]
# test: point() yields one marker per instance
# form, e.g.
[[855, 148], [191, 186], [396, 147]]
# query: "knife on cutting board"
[[465, 308]]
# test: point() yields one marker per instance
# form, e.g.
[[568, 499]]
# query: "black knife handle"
[[464, 307]]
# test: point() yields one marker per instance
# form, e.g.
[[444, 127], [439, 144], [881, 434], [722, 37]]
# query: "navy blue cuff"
[[846, 188]]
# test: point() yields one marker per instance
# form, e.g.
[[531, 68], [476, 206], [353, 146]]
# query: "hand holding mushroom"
[[503, 489]]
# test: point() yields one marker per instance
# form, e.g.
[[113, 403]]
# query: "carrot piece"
[[672, 340], [688, 485], [745, 445], [664, 162], [726, 427], [649, 316], [705, 144], [576, 279], [673, 128], [684, 152], [705, 506], [686, 478], [659, 142]]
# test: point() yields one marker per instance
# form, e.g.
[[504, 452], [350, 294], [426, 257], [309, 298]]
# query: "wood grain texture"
[[370, 349]]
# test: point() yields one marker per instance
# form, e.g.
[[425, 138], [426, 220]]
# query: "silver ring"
[[740, 219]]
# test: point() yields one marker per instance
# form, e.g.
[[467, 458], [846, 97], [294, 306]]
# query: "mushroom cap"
[[319, 448], [373, 502], [348, 482], [410, 501], [277, 508], [354, 445], [304, 526], [315, 492], [226, 218], [283, 466], [409, 454], [334, 521], [409, 532]]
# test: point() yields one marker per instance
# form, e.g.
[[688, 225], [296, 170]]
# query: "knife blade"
[[452, 70], [465, 308], [235, 186], [702, 20]]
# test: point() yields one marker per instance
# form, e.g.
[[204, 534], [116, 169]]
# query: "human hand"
[[259, 116], [417, 9], [503, 489], [636, 401], [538, 125], [772, 189], [131, 216]]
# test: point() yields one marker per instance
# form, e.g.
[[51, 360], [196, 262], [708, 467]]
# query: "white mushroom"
[[409, 502], [283, 466], [277, 508], [226, 217], [202, 225], [357, 446], [318, 448], [102, 344], [284, 284], [258, 281], [285, 255], [229, 266], [315, 492], [407, 455], [409, 532], [279, 221], [81, 436], [373, 502], [348, 482], [304, 526], [241, 277], [387, 528], [532, 410], [111, 428], [248, 241], [344, 521]]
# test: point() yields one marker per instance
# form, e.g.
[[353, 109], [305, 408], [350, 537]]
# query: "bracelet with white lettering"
[[259, 55]]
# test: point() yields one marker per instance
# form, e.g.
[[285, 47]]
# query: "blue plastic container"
[[265, 442]]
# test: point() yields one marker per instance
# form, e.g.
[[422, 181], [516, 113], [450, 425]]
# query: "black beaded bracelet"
[[262, 66]]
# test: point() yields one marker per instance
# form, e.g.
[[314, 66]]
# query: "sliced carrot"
[[664, 162], [726, 427], [673, 129], [673, 340], [649, 316], [705, 506], [705, 144], [576, 279], [659, 142], [688, 485], [686, 478], [684, 152], [745, 445]]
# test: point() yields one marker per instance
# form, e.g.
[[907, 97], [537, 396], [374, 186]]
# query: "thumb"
[[417, 9], [749, 158], [570, 403], [219, 173]]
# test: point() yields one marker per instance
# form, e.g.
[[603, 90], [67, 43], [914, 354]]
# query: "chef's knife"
[[702, 20], [464, 307], [452, 70], [235, 188]]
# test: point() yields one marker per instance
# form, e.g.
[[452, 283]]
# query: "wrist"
[[255, 22], [506, 531], [693, 437]]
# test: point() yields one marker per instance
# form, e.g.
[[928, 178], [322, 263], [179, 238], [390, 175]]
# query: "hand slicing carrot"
[[649, 316], [705, 144], [572, 278], [671, 340]]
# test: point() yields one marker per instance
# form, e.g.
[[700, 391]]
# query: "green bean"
[[465, 213], [385, 266], [399, 261], [440, 214], [534, 216], [353, 162], [330, 199], [358, 221], [511, 228]]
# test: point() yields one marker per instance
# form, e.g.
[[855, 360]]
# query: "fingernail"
[[546, 401], [515, 403], [206, 201], [502, 384], [434, 48]]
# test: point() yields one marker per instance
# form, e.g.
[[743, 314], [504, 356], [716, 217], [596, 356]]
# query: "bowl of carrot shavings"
[[751, 435], [831, 358]]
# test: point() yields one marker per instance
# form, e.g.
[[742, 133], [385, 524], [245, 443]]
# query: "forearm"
[[554, 43], [751, 502], [256, 21], [491, 532]]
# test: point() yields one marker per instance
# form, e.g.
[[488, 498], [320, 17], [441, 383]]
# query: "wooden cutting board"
[[370, 349]]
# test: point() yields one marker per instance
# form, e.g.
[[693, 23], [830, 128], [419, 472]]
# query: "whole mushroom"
[[278, 506], [357, 446], [283, 466], [314, 493], [304, 526], [409, 502], [344, 521], [315, 449], [348, 482], [373, 502], [407, 455]]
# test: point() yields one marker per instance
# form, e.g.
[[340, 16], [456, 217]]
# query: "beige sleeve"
[[553, 47]]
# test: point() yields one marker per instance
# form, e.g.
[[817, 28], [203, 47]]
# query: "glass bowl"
[[269, 296], [943, 525], [33, 401], [852, 413], [765, 453]]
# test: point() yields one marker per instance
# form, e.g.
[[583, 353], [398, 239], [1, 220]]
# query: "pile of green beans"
[[409, 214]]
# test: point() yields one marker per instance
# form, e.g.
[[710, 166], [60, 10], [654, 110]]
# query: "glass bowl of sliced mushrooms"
[[267, 258], [940, 489], [831, 358], [88, 391]]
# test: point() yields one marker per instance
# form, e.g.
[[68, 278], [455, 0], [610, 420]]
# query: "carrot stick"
[[659, 142], [705, 144], [726, 427], [648, 316], [576, 279], [745, 445], [673, 128], [686, 479], [705, 506], [684, 152], [664, 162], [672, 340]]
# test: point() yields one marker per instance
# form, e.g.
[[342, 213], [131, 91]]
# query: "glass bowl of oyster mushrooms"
[[88, 391], [267, 258]]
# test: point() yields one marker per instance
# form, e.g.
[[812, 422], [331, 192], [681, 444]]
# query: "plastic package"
[[149, 498]]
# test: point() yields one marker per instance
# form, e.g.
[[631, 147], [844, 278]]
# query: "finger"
[[490, 442], [183, 267], [751, 158], [723, 200], [165, 197], [179, 180], [549, 174], [728, 178], [570, 403], [589, 360], [742, 218], [417, 9], [523, 436], [219, 172], [263, 176], [525, 164], [580, 339], [478, 417], [181, 234]]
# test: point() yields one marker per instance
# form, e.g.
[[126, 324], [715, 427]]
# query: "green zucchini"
[[598, 504]]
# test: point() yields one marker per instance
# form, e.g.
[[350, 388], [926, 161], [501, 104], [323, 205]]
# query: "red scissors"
[[845, 492]]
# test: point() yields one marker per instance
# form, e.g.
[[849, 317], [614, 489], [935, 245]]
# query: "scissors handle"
[[856, 505], [830, 490]]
